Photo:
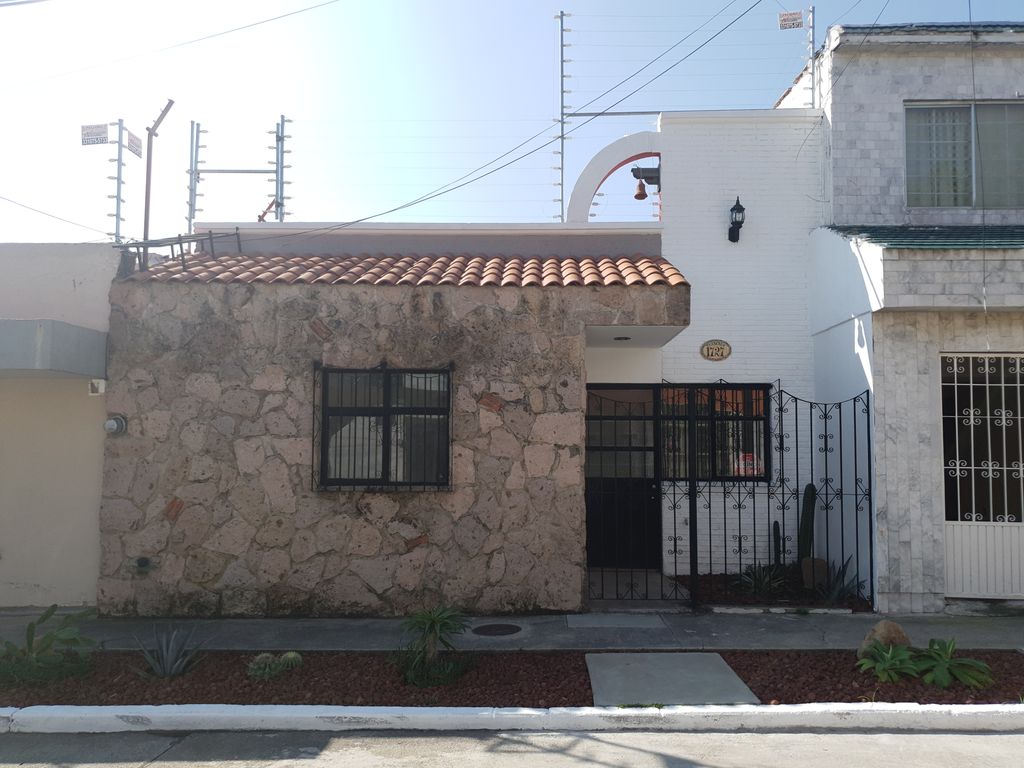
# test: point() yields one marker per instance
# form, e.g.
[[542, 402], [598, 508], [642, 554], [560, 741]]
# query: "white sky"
[[390, 99]]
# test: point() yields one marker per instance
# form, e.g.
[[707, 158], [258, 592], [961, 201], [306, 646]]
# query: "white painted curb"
[[944, 718]]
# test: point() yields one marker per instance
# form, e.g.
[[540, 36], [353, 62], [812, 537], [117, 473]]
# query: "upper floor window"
[[384, 427], [965, 155]]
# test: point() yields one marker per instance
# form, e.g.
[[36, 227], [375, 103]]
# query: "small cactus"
[[289, 660], [263, 667], [266, 666]]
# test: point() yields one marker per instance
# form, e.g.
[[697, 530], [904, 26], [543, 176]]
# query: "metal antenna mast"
[[810, 54], [561, 113], [195, 173]]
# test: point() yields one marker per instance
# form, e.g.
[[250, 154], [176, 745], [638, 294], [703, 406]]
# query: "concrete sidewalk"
[[588, 632]]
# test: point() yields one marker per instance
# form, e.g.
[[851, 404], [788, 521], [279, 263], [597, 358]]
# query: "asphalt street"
[[507, 750]]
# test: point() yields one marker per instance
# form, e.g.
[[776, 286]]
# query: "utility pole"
[[151, 133]]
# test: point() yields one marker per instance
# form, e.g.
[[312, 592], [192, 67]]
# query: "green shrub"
[[432, 630], [61, 652], [889, 663], [937, 666], [172, 653]]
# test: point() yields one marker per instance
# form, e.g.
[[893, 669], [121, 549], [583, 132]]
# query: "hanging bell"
[[641, 191]]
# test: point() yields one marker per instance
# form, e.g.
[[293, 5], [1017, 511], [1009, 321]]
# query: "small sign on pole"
[[133, 143], [791, 20], [94, 134]]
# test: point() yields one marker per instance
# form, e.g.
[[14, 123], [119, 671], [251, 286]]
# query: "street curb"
[[944, 718]]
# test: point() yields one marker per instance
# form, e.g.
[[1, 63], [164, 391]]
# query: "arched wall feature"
[[626, 150]]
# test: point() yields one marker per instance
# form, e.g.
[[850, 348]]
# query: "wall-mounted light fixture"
[[116, 424], [736, 218], [645, 176]]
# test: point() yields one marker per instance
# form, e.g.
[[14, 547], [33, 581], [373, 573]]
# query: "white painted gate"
[[983, 475]]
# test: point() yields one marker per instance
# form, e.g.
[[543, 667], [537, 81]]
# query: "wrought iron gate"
[[727, 493]]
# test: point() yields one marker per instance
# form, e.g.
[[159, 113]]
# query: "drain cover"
[[496, 630]]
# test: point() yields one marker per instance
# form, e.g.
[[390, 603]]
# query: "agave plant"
[[172, 652]]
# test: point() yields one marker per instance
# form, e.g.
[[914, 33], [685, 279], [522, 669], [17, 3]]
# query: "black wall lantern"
[[736, 217]]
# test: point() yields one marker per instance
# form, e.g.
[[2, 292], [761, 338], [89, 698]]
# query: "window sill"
[[382, 488]]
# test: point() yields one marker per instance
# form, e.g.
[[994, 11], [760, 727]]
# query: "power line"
[[51, 215], [465, 181], [150, 52]]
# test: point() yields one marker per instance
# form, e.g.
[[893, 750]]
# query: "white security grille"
[[982, 404]]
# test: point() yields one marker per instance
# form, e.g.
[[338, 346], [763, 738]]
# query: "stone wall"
[[953, 279], [909, 499], [867, 96], [208, 507]]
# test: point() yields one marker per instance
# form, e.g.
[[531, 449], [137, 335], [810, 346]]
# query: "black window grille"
[[384, 428], [724, 427]]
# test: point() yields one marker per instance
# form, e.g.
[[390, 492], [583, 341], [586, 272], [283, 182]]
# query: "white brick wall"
[[753, 293]]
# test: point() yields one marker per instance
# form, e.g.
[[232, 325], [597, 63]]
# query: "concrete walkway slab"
[[615, 620], [621, 679]]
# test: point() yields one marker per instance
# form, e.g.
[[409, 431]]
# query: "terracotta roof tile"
[[416, 269]]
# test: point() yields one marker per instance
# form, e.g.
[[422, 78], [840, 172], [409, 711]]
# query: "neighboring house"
[[925, 260], [54, 313]]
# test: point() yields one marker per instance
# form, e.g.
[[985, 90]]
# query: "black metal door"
[[623, 523], [623, 495]]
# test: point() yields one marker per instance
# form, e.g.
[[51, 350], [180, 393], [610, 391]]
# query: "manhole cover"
[[496, 630]]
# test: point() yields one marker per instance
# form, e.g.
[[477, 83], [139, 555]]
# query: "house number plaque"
[[715, 349]]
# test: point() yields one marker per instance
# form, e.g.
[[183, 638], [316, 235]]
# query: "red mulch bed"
[[802, 677], [514, 679], [723, 589]]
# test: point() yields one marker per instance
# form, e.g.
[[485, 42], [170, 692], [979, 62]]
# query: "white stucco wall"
[[51, 435], [57, 281], [623, 366], [846, 288], [51, 466]]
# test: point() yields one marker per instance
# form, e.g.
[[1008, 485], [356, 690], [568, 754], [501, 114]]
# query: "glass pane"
[[419, 449], [619, 464], [1001, 159], [624, 433], [674, 435], [739, 448], [939, 163], [419, 390], [355, 447], [674, 401], [355, 389], [632, 403]]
